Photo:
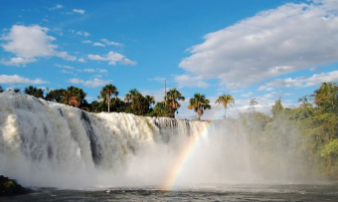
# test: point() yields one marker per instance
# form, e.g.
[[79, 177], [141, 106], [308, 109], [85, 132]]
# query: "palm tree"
[[150, 99], [129, 96], [199, 103], [74, 96], [16, 90], [106, 93], [226, 100], [173, 95], [36, 92]]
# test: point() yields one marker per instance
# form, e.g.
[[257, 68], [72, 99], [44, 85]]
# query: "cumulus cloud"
[[28, 43], [11, 79], [90, 83], [113, 43], [113, 58], [300, 82], [188, 81], [80, 11], [272, 43], [98, 44]]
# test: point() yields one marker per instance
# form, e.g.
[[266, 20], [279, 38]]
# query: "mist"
[[45, 144]]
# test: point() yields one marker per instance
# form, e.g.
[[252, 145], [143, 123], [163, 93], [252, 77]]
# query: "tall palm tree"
[[150, 99], [129, 96], [106, 93], [199, 103], [172, 97], [226, 100], [36, 92]]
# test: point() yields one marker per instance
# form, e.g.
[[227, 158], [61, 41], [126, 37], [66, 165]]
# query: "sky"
[[249, 49]]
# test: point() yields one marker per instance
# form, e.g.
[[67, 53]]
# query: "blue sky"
[[259, 49]]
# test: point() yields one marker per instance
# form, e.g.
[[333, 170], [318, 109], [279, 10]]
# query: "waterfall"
[[47, 144], [40, 139]]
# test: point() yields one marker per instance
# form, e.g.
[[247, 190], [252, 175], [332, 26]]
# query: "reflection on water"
[[322, 192]]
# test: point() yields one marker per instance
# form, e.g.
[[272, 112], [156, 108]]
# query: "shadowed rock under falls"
[[94, 142]]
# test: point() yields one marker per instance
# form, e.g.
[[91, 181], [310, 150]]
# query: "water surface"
[[322, 192]]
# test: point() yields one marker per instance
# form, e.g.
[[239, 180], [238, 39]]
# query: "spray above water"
[[48, 144]]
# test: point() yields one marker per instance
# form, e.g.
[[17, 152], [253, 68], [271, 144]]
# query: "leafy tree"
[[226, 100], [199, 103], [106, 93], [326, 97], [277, 108], [161, 110], [253, 102], [172, 97], [139, 104], [36, 92]]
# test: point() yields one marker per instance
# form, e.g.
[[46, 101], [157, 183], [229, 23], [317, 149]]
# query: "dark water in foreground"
[[327, 192]]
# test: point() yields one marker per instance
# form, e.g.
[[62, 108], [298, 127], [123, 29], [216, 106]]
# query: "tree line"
[[134, 102], [306, 136]]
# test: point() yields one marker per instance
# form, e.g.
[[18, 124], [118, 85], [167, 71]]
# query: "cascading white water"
[[49, 144], [44, 143]]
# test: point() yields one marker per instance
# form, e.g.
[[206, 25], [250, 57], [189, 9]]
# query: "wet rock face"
[[9, 187]]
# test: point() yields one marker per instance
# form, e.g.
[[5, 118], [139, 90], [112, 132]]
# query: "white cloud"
[[106, 41], [159, 79], [113, 58], [246, 95], [58, 6], [11, 79], [188, 81], [103, 71], [18, 61], [83, 33], [64, 66], [90, 83], [272, 43], [80, 11], [98, 44], [89, 70], [28, 43], [87, 41], [265, 88], [81, 60], [303, 81], [67, 72]]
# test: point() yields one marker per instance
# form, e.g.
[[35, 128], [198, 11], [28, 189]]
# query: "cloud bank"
[[28, 43], [272, 43]]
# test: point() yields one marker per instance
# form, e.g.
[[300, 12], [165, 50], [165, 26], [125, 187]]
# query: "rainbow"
[[183, 158]]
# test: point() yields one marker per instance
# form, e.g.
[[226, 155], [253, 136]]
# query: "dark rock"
[[9, 187]]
